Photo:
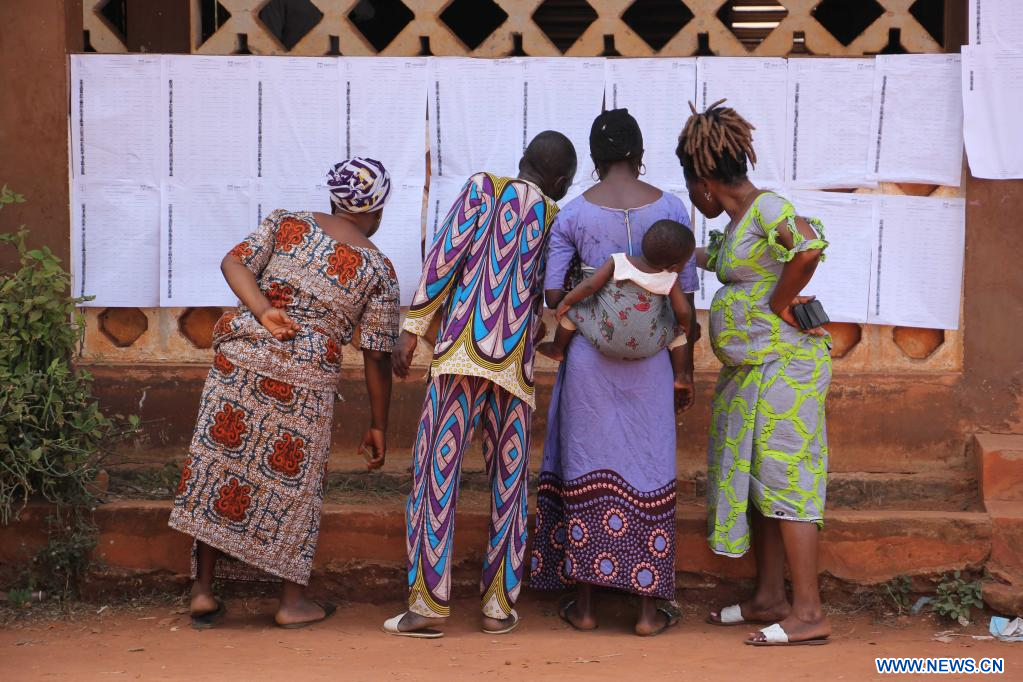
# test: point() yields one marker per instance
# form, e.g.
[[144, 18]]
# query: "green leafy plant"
[[956, 596], [19, 598], [896, 592], [51, 429]]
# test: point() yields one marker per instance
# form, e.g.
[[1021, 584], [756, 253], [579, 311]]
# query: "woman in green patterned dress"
[[768, 454]]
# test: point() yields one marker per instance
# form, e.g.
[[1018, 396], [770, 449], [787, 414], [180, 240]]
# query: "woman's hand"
[[685, 394], [374, 448], [401, 357], [790, 317], [279, 324]]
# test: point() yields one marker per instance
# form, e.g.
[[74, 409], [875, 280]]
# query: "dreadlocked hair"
[[716, 144]]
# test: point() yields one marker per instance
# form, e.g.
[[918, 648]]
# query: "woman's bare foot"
[[496, 625], [549, 350], [816, 626], [578, 618], [202, 601], [654, 619], [759, 611], [299, 611]]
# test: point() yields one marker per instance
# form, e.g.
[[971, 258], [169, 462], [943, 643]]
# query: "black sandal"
[[328, 611], [672, 618], [205, 621]]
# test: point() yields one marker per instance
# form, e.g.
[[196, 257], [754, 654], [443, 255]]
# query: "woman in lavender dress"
[[606, 501]]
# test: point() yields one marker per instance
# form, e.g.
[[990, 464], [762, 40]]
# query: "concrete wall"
[[903, 400]]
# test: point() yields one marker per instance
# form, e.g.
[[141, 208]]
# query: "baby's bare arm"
[[680, 306], [590, 285]]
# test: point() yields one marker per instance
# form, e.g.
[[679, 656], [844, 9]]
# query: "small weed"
[[18, 598], [896, 592], [956, 596]]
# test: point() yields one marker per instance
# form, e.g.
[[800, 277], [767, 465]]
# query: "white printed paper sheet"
[[270, 195], [115, 117], [916, 127], [842, 281], [992, 102], [442, 196], [657, 92], [755, 88], [828, 125], [476, 109], [385, 115], [918, 262], [199, 224], [298, 118], [996, 23], [709, 283], [115, 242], [565, 94], [209, 118], [400, 236]]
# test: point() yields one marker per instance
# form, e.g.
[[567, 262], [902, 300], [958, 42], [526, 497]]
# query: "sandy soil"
[[155, 642]]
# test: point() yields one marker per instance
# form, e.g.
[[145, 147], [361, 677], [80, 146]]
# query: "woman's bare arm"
[[795, 274], [378, 384], [244, 285], [701, 257]]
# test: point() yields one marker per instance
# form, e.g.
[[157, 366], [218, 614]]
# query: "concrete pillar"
[[35, 40]]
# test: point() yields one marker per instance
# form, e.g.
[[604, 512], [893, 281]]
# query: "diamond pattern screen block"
[[844, 337], [751, 20], [657, 21], [847, 19], [564, 21], [380, 20], [123, 326], [212, 15], [473, 20], [290, 20], [918, 343], [931, 15], [196, 325], [116, 14]]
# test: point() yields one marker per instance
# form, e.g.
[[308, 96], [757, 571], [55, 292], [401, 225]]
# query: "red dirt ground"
[[156, 643]]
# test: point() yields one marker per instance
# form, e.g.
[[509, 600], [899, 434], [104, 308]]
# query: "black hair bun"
[[615, 136]]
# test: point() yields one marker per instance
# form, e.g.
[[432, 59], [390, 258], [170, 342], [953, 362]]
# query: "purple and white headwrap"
[[359, 185]]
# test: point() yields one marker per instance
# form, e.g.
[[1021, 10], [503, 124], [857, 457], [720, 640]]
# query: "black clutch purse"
[[810, 315]]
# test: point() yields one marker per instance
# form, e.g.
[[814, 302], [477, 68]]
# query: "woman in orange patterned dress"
[[251, 490]]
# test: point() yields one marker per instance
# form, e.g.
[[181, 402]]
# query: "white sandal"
[[391, 628], [775, 635], [508, 628], [729, 616]]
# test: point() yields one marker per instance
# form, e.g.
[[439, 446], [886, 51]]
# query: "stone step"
[[928, 491], [361, 553]]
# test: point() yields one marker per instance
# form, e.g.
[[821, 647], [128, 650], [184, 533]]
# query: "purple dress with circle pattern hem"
[[606, 499]]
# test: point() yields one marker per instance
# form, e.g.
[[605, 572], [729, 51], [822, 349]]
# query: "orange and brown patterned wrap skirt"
[[252, 485]]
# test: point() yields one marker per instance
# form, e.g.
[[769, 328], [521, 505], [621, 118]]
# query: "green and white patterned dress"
[[768, 439]]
